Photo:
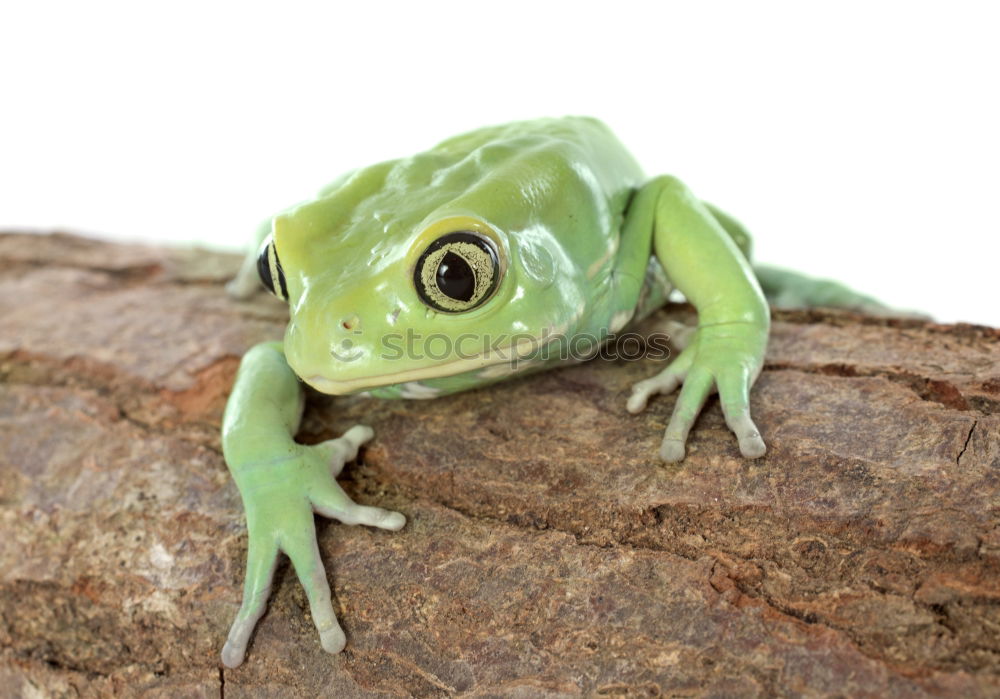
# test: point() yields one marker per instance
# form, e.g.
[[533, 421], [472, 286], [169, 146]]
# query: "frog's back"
[[569, 174], [584, 134], [582, 144]]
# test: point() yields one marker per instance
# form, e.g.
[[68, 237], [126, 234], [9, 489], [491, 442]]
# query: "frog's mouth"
[[494, 364]]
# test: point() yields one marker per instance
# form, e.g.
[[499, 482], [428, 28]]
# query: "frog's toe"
[[636, 402], [334, 502], [394, 521], [343, 449], [234, 651], [373, 517], [666, 382], [672, 450], [639, 398], [333, 639], [262, 556], [357, 435], [734, 391], [752, 446]]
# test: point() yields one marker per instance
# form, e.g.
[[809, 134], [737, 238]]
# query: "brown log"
[[547, 551]]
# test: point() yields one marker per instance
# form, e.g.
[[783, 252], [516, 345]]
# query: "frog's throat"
[[516, 354]]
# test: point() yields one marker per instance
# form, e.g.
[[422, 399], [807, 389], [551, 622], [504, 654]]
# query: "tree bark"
[[547, 551]]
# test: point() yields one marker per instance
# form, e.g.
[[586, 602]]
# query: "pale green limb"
[[282, 483], [247, 281], [785, 288], [726, 352], [261, 563]]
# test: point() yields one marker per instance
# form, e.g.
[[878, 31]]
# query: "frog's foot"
[[279, 524], [698, 385]]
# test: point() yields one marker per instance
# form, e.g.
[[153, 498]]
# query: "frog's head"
[[388, 298]]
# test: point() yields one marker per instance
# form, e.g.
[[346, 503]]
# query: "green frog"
[[485, 257]]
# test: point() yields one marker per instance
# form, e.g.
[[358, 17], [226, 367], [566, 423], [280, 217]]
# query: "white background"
[[857, 140]]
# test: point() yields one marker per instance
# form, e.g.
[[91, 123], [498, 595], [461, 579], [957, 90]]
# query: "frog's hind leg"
[[787, 289]]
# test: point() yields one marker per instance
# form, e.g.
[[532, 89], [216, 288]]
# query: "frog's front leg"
[[726, 352], [282, 483]]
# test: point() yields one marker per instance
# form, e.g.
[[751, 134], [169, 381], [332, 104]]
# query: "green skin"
[[586, 244]]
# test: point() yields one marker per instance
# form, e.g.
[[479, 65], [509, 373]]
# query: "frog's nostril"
[[351, 322]]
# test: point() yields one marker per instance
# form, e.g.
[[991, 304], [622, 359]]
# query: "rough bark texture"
[[547, 552]]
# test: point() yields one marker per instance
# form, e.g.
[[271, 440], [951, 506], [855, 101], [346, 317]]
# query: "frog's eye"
[[457, 272], [269, 269]]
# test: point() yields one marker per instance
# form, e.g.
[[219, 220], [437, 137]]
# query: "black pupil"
[[455, 278]]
